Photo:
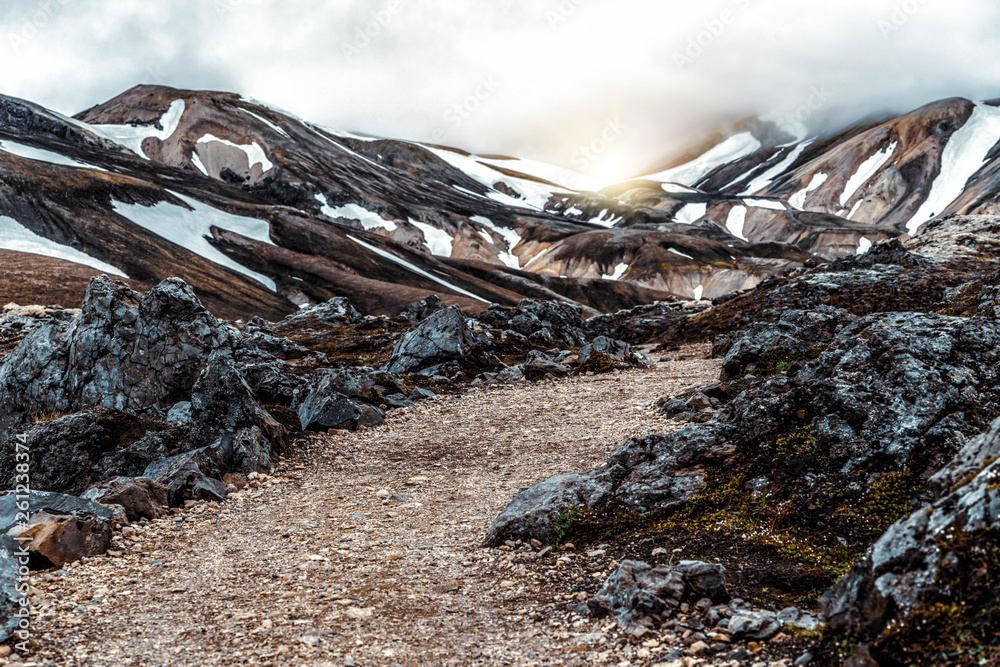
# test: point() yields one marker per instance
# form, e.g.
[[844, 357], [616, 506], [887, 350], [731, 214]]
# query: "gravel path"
[[365, 548]]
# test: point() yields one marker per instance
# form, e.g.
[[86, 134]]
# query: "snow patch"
[[736, 221], [271, 125], [765, 203], [42, 155], [864, 246], [549, 172], [854, 209], [196, 161], [764, 180], [732, 149], [962, 157], [255, 154], [678, 252], [798, 200], [512, 238], [439, 242], [699, 291], [368, 220], [192, 228], [402, 262], [868, 168], [618, 273], [17, 237], [691, 213], [132, 136]]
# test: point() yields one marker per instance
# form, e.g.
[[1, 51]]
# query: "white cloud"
[[560, 68]]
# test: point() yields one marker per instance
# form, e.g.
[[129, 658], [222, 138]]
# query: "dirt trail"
[[315, 567]]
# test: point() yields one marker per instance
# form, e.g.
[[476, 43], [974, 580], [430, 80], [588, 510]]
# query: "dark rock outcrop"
[[418, 311], [893, 394], [542, 322], [444, 336], [933, 579], [60, 528]]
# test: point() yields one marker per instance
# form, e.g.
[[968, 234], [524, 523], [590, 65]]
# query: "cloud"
[[545, 79]]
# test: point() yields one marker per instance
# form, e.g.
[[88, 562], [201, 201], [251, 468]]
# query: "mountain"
[[836, 194], [264, 212]]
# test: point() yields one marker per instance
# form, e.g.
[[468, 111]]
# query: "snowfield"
[[191, 229], [865, 172], [732, 149], [736, 221], [798, 200], [368, 219], [42, 155], [132, 136], [437, 241], [765, 179], [17, 237], [962, 157], [618, 273]]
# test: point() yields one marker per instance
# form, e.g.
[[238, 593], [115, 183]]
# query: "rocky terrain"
[[353, 401]]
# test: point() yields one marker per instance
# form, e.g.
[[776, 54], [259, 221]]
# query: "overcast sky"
[[606, 86]]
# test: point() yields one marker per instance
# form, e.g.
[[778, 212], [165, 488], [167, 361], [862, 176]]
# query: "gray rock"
[[757, 625], [637, 589], [539, 365], [180, 413], [444, 336], [335, 312], [618, 351]]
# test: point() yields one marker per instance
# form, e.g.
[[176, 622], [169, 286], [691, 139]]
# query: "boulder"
[[540, 365], [444, 336], [756, 625], [620, 353], [60, 528], [141, 498], [336, 312], [124, 351], [637, 589], [933, 577]]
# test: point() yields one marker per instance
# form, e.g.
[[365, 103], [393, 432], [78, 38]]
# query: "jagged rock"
[[395, 401], [336, 399], [61, 528], [545, 322], [141, 498], [619, 352], [124, 351], [227, 419], [797, 336], [942, 561], [637, 589], [444, 336], [70, 452], [539, 365], [335, 312], [892, 393], [421, 394], [418, 311], [179, 413]]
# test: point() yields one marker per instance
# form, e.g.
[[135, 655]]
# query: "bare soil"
[[315, 565]]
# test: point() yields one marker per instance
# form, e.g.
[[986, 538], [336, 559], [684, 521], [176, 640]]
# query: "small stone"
[[698, 648], [544, 552], [382, 493], [804, 659]]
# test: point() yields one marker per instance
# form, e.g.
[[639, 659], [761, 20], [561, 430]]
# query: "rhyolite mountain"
[[264, 212]]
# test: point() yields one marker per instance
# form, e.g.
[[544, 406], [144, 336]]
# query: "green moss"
[[889, 499], [597, 363]]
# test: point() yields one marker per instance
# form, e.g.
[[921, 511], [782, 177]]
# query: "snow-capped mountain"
[[833, 195], [264, 212]]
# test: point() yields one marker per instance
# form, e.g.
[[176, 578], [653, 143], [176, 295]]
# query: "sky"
[[608, 87]]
